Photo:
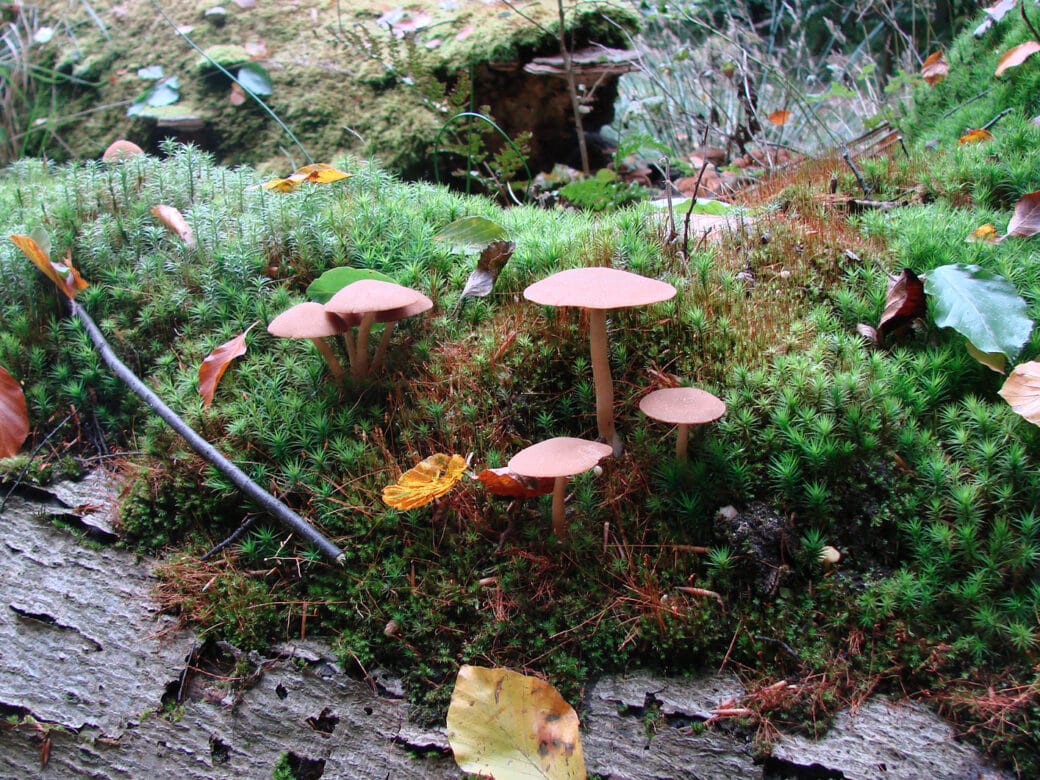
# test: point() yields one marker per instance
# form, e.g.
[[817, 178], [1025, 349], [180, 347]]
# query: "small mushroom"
[[309, 320], [367, 302], [558, 458], [121, 150], [597, 290], [829, 557], [682, 406]]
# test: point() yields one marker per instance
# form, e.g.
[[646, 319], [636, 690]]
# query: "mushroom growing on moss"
[[367, 302], [682, 406], [309, 320], [597, 290], [558, 458]]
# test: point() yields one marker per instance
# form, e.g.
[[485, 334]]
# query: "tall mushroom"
[[682, 406], [597, 290], [367, 302], [309, 320], [558, 458]]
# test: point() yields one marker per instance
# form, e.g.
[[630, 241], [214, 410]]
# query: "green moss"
[[225, 55]]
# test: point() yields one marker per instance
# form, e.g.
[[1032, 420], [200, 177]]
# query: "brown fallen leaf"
[[905, 303], [175, 223], [1022, 391], [935, 68], [780, 117], [14, 415], [1025, 222], [217, 362], [1016, 55], [503, 482], [238, 95], [65, 277]]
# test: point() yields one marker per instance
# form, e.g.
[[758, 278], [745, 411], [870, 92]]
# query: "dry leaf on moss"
[[429, 479], [1016, 55], [503, 482], [986, 234], [175, 223], [976, 136], [511, 727], [217, 362], [779, 117], [935, 68], [316, 173], [14, 415], [1025, 222], [64, 276], [1022, 391]]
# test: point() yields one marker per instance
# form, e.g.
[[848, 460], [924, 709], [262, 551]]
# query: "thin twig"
[[1029, 24], [237, 477], [997, 118], [855, 171], [249, 523]]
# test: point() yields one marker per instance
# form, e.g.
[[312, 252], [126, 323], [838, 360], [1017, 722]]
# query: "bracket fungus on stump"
[[558, 458], [363, 304], [598, 290], [309, 320], [682, 406]]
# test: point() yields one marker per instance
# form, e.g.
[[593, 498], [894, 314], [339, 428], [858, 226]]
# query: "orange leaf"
[[217, 362], [14, 416], [1022, 391], [986, 234], [62, 274], [1025, 222], [429, 479], [779, 117], [176, 223], [935, 68], [1016, 55], [316, 173], [975, 136], [503, 482]]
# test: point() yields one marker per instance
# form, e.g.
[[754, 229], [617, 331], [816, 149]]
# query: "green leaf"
[[151, 73], [982, 306], [335, 279], [254, 78], [470, 233], [165, 93]]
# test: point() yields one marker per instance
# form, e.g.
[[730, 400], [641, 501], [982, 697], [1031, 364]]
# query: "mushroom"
[[558, 458], [599, 289], [367, 302], [121, 150], [682, 406], [309, 320]]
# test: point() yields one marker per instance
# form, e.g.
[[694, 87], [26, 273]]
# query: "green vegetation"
[[903, 457]]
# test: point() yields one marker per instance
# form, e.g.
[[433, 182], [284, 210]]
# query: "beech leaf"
[[984, 234], [512, 727], [315, 173], [175, 223], [470, 233], [335, 279], [1022, 391], [427, 480], [982, 306], [1025, 222], [780, 117], [1016, 55], [503, 482], [14, 415], [254, 78], [935, 68], [905, 303], [217, 362], [64, 276]]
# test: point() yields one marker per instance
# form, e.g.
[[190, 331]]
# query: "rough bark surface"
[[93, 674]]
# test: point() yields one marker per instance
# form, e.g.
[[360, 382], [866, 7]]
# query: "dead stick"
[[238, 477]]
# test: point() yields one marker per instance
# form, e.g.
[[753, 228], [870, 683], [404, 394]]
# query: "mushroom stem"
[[330, 357], [682, 442], [559, 519], [384, 345], [601, 379], [348, 341], [360, 366]]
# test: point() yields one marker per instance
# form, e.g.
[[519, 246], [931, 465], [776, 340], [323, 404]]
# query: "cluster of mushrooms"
[[551, 462]]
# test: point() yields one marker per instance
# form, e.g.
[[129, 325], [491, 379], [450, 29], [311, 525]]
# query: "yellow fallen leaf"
[[429, 479], [510, 726], [316, 173], [986, 234]]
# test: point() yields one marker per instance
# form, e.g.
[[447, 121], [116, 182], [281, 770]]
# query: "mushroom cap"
[[121, 150], [598, 288], [682, 406], [307, 320], [418, 307], [559, 457], [371, 295]]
